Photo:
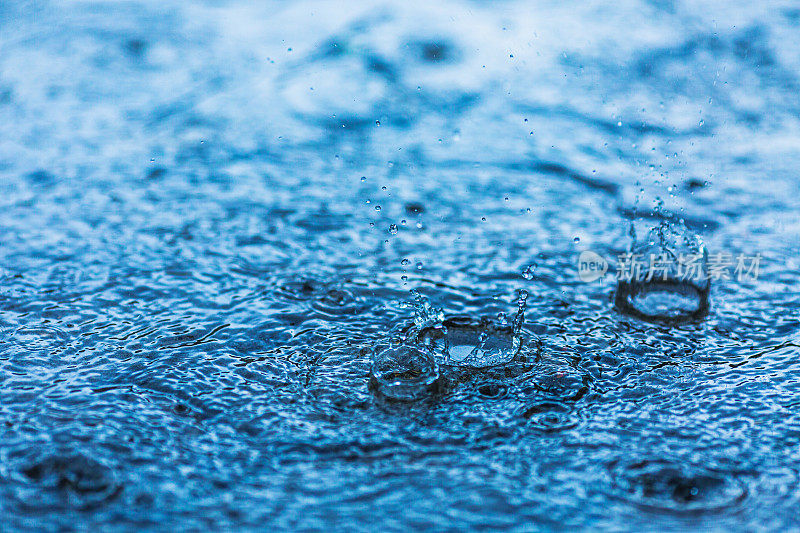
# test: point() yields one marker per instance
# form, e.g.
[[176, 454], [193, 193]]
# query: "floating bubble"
[[404, 373]]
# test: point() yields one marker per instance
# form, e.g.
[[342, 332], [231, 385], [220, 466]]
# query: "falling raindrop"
[[529, 270]]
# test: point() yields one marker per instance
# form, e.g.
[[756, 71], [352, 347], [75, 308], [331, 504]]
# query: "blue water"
[[212, 216]]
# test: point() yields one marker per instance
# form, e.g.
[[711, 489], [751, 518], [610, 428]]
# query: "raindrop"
[[528, 272]]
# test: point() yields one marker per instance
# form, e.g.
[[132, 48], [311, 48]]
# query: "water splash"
[[464, 341], [665, 278], [425, 314], [519, 319], [404, 373]]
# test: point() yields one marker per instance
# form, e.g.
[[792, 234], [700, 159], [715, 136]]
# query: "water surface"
[[213, 216]]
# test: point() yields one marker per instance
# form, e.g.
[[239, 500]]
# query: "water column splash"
[[425, 314], [428, 318], [665, 277], [519, 319]]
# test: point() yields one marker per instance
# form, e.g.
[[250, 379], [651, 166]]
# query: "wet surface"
[[213, 217]]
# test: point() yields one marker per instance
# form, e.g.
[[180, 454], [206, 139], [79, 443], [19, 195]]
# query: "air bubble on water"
[[363, 178], [393, 229], [405, 262], [404, 373], [576, 240], [377, 208]]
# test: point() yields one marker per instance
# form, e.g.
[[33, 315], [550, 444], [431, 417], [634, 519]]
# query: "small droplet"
[[576, 240], [527, 273], [393, 229]]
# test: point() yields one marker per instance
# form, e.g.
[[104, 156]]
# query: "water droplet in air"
[[527, 273]]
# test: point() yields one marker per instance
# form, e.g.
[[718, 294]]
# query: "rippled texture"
[[212, 216]]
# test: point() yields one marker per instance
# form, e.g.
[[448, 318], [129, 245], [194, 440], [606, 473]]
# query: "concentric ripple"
[[673, 487]]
